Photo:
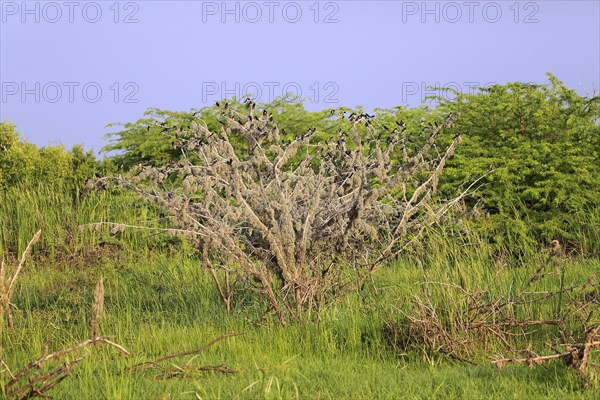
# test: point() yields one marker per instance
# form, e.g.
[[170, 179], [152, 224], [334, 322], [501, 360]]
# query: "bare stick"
[[60, 354], [152, 364], [33, 240]]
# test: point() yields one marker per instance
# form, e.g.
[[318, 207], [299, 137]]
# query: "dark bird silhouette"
[[310, 132], [218, 105]]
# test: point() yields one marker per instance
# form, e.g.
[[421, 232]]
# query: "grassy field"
[[158, 301]]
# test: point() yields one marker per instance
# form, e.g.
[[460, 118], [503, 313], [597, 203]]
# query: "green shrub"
[[543, 143]]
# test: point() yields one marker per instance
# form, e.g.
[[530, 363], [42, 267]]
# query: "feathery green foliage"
[[543, 143]]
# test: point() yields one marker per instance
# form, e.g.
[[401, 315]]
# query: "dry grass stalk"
[[7, 287], [268, 214], [97, 307]]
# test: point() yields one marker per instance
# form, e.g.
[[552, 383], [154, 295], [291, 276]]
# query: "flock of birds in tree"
[[265, 121]]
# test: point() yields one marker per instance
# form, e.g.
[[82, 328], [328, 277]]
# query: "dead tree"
[[293, 217]]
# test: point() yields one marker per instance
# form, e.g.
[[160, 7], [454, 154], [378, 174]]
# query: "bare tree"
[[295, 219]]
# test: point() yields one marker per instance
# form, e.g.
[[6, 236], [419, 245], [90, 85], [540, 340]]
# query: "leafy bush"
[[543, 143], [22, 162]]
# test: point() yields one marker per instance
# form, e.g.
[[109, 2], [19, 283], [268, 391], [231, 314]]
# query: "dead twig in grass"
[[457, 321], [28, 381], [576, 356], [186, 370], [7, 286], [187, 367]]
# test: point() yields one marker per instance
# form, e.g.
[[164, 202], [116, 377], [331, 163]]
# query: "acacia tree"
[[294, 218], [543, 141]]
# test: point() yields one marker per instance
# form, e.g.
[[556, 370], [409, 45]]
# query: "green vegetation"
[[544, 145], [25, 163], [541, 141], [481, 285], [164, 304]]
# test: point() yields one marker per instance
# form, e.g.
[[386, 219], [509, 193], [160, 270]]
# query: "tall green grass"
[[162, 304], [62, 216], [159, 301]]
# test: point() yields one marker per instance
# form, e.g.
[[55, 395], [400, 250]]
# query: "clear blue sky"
[[68, 68]]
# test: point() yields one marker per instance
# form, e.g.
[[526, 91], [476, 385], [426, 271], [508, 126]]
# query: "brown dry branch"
[[465, 321], [33, 380], [576, 356], [43, 383], [186, 368], [225, 293], [276, 212], [28, 372], [117, 228]]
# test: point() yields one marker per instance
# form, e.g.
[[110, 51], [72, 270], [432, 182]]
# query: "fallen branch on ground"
[[576, 356], [29, 382], [187, 367]]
